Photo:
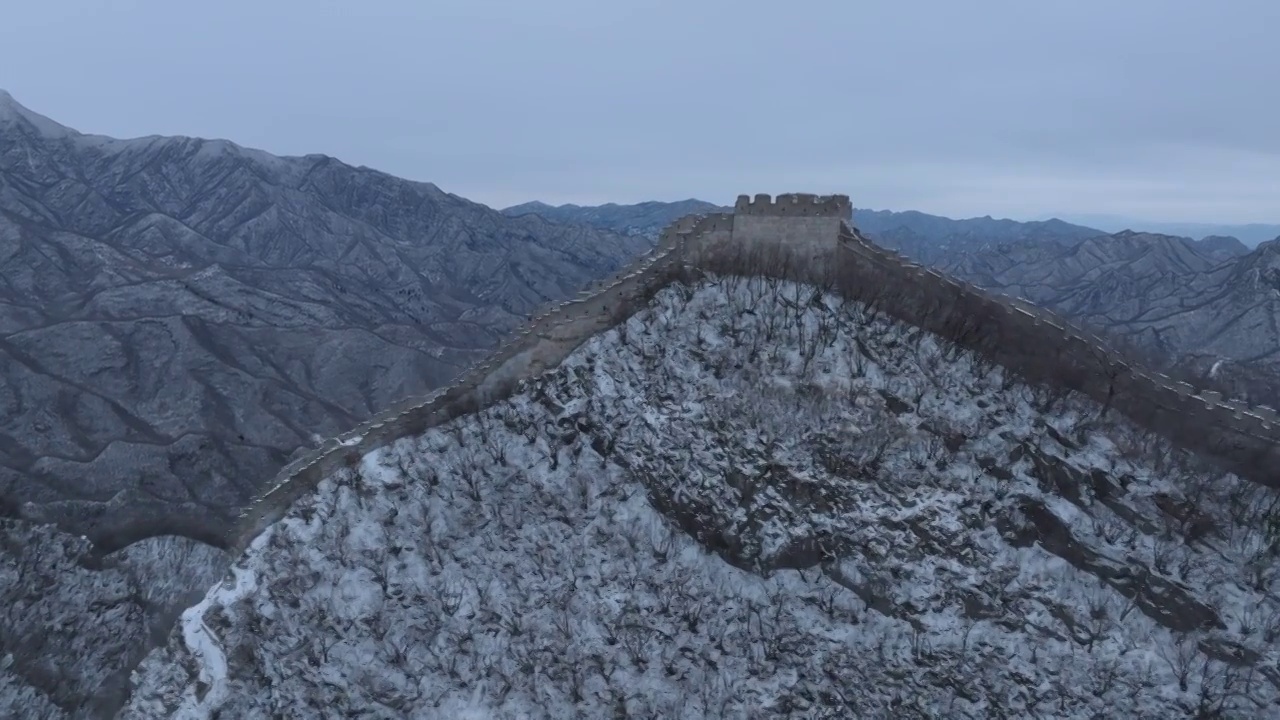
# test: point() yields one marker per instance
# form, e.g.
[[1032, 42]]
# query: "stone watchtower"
[[794, 218]]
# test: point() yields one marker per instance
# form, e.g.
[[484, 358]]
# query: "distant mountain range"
[[646, 218], [934, 239], [1251, 234], [178, 316]]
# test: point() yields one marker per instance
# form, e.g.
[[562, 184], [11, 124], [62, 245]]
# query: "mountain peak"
[[13, 112], [1226, 246], [1267, 253]]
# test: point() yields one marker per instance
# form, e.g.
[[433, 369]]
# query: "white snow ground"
[[962, 546]]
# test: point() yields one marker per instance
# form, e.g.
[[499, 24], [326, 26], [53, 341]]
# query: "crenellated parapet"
[[793, 204]]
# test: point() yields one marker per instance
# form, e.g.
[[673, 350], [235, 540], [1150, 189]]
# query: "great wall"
[[806, 238]]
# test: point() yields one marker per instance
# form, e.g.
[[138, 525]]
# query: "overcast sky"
[[1156, 109]]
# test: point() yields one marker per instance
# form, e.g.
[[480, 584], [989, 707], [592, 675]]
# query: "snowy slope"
[[751, 500]]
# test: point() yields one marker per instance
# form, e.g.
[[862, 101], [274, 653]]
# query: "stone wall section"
[[804, 238], [1044, 347], [542, 344]]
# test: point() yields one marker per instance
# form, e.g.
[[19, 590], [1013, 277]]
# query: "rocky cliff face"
[[178, 316], [751, 499]]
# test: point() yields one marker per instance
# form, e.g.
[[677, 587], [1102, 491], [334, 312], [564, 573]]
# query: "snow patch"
[[205, 648]]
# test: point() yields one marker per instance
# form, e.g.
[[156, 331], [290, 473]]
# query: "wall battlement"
[[791, 204], [812, 245]]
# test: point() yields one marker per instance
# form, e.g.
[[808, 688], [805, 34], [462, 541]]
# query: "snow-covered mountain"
[[753, 498], [229, 292], [178, 317]]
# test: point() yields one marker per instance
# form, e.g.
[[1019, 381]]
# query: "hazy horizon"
[[1251, 233], [993, 108]]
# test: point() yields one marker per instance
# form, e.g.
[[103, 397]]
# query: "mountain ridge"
[[766, 519], [178, 319], [645, 218], [115, 231], [926, 299], [1250, 234]]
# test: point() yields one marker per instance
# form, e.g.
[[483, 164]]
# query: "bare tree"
[[1180, 655]]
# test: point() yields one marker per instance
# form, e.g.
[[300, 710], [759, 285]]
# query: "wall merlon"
[[788, 204], [1254, 423]]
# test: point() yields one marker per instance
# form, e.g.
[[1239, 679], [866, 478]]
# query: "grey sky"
[[1160, 109]]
